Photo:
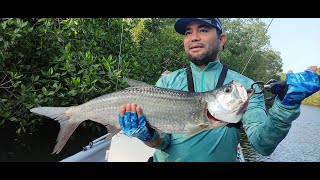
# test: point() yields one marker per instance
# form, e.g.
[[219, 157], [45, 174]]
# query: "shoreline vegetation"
[[313, 100], [69, 61]]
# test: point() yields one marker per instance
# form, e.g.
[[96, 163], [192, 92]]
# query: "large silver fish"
[[167, 110]]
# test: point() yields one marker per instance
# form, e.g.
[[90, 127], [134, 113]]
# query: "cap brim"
[[181, 24]]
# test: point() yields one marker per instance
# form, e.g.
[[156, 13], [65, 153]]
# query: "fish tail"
[[62, 115]]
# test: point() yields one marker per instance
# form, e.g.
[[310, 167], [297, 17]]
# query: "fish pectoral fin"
[[191, 129]]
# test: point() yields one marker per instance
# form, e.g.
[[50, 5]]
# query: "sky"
[[298, 41]]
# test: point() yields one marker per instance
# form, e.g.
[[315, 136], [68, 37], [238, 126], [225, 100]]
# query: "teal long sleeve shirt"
[[264, 130]]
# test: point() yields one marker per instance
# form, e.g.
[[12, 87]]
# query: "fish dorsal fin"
[[134, 83], [191, 129]]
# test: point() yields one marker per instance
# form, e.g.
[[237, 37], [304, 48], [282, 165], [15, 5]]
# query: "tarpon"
[[166, 110]]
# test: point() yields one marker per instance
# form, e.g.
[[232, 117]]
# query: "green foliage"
[[160, 49], [282, 76], [65, 62], [313, 100], [68, 61], [56, 62], [248, 49]]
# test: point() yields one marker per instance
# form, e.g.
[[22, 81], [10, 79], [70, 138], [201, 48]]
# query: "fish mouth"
[[243, 108], [210, 117]]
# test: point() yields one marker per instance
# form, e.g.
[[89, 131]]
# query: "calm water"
[[302, 144]]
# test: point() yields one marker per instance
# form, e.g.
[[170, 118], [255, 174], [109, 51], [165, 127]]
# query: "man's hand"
[[133, 123], [300, 86]]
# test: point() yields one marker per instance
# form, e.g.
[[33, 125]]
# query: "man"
[[202, 39]]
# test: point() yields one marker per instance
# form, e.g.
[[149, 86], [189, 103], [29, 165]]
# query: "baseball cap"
[[181, 23]]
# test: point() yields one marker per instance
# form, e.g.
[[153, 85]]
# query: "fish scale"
[[166, 110]]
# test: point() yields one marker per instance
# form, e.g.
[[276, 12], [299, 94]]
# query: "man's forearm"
[[266, 132], [155, 143], [158, 142]]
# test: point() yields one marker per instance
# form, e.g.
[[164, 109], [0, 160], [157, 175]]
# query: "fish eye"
[[228, 89]]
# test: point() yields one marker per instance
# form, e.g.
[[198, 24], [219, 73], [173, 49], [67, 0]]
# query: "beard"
[[204, 58]]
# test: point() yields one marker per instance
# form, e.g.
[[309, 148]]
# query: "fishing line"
[[255, 48], [119, 56]]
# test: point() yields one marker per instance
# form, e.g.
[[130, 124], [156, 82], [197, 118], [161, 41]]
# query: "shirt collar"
[[211, 66]]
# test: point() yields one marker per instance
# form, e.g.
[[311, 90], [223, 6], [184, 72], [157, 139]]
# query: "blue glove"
[[133, 126], [300, 86]]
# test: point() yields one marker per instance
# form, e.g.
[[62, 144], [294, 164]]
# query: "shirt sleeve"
[[265, 130]]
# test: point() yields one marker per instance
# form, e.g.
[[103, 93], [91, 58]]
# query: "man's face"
[[201, 43]]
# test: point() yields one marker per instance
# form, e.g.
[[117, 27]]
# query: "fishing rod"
[[96, 142]]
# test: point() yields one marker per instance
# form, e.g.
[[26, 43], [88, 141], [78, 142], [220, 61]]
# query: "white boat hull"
[[120, 148]]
